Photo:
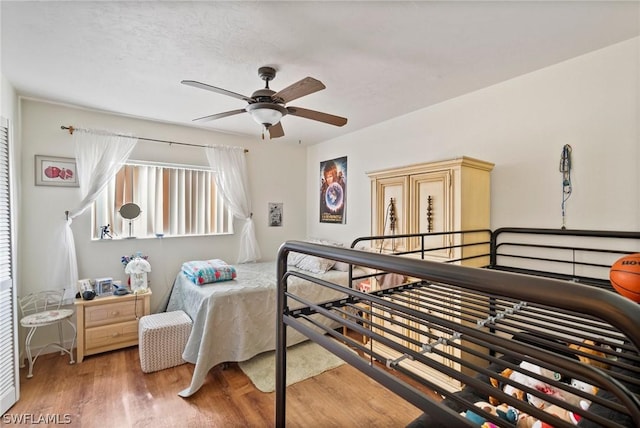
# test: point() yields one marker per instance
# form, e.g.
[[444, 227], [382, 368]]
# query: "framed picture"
[[275, 214], [104, 286], [56, 171]]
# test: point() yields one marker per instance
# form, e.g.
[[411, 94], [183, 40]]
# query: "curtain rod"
[[71, 128]]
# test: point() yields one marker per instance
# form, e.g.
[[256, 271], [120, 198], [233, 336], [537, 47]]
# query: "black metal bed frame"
[[589, 251], [464, 322]]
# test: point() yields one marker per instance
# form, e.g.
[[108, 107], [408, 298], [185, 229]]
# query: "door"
[[9, 377]]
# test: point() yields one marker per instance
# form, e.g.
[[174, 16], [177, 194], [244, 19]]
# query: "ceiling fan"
[[267, 107]]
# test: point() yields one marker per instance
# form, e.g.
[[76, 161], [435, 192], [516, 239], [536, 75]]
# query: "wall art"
[[56, 171], [275, 214], [333, 191]]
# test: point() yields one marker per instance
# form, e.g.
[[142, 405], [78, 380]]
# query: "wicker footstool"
[[161, 340]]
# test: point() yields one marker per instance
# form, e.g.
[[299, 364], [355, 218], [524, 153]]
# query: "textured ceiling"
[[378, 60]]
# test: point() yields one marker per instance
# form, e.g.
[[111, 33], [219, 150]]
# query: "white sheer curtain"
[[99, 156], [230, 166]]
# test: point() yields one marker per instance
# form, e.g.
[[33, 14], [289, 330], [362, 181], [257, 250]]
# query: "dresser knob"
[[114, 313], [116, 334]]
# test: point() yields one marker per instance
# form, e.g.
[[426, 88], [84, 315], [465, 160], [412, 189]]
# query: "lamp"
[[266, 114], [137, 270]]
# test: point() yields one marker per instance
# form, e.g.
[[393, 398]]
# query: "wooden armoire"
[[443, 196]]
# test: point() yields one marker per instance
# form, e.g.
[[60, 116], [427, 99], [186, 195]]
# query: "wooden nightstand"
[[110, 322]]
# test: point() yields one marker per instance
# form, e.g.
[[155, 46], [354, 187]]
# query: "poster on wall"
[[275, 214], [333, 191]]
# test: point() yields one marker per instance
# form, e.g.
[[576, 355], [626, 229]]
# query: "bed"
[[235, 320], [513, 327]]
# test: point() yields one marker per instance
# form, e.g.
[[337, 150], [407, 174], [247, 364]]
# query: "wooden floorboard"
[[111, 390]]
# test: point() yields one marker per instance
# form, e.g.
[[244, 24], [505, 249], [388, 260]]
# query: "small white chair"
[[42, 309]]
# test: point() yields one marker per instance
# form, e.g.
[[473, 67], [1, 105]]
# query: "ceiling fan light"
[[266, 114]]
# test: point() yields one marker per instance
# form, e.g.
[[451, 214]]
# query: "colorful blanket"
[[207, 271]]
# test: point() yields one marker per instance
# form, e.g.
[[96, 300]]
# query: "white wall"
[[270, 181], [590, 102], [8, 99]]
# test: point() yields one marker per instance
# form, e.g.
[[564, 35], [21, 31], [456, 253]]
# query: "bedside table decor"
[[126, 259], [137, 268], [104, 286]]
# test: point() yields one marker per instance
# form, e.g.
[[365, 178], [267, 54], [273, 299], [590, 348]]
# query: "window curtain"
[[99, 156], [230, 166]]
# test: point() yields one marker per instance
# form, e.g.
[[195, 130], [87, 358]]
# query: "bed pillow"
[[339, 266], [294, 258], [316, 264], [208, 271]]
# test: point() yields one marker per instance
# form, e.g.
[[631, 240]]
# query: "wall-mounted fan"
[[267, 107]]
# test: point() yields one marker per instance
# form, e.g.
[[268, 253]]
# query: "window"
[[174, 200]]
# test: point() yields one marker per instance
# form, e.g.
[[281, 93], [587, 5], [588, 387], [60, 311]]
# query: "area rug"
[[304, 360]]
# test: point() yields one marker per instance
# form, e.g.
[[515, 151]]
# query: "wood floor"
[[110, 390]]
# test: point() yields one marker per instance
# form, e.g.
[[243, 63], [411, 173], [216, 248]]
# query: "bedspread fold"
[[207, 271]]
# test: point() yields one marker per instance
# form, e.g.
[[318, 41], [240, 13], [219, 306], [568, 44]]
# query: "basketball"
[[625, 276]]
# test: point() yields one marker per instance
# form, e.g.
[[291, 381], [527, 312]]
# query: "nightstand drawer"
[[111, 336], [111, 313]]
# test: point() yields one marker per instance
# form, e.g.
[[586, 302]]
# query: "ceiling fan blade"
[[306, 86], [276, 131], [317, 115], [219, 115], [217, 90]]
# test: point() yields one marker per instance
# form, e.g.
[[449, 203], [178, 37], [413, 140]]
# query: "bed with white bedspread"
[[236, 320]]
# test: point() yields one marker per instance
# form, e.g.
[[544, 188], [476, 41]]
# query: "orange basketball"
[[625, 276]]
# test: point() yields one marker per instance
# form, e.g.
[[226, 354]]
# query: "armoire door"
[[390, 214], [431, 210]]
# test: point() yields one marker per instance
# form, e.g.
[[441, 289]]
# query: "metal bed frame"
[[469, 323]]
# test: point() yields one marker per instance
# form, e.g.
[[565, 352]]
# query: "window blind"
[[8, 322]]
